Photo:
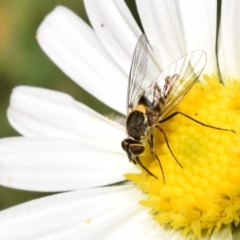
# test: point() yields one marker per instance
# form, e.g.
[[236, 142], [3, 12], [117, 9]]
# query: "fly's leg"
[[137, 159], [193, 119], [150, 142], [134, 148], [166, 140]]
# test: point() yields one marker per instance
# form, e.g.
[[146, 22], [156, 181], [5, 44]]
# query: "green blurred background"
[[22, 62]]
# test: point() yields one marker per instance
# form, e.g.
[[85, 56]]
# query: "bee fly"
[[148, 107]]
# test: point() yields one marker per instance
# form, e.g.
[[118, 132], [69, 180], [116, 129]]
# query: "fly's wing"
[[138, 71], [175, 81]]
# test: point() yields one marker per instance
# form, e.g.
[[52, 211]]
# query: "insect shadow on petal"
[[149, 106]]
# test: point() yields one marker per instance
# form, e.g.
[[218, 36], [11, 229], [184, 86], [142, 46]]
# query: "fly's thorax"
[[137, 123], [151, 110], [153, 115], [141, 108]]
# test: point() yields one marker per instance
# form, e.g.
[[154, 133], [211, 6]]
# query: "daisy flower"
[[67, 147]]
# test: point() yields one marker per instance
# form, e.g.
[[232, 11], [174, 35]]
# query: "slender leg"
[[155, 155], [140, 163], [166, 140], [193, 119], [136, 160], [150, 142]]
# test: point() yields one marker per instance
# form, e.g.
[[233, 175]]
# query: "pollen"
[[203, 194]]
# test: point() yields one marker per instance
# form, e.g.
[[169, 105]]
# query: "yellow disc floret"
[[204, 194]]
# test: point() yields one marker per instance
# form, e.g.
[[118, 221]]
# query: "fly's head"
[[133, 148]]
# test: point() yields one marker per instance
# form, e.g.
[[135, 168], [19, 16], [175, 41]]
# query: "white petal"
[[225, 233], [118, 32], [116, 28], [175, 28], [41, 112], [229, 38], [105, 213], [75, 49], [47, 164]]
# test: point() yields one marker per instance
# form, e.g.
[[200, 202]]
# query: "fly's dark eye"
[[137, 148], [132, 147], [124, 145]]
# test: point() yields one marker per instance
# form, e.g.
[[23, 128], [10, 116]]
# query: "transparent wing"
[[138, 71], [175, 81]]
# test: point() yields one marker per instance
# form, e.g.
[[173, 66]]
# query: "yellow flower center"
[[205, 193]]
